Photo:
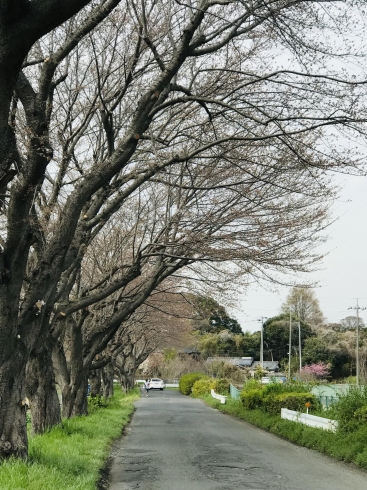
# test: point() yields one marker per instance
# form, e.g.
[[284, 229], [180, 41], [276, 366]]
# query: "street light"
[[357, 308], [261, 319]]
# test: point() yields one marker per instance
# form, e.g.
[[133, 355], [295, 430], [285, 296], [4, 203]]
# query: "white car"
[[156, 384]]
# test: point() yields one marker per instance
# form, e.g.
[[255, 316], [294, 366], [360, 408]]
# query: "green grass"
[[345, 446], [70, 457]]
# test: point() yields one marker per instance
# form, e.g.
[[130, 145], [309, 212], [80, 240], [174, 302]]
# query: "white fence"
[[222, 398], [311, 420]]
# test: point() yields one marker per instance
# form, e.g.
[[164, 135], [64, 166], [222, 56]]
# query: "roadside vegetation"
[[198, 384], [214, 337], [261, 406], [72, 455], [343, 445]]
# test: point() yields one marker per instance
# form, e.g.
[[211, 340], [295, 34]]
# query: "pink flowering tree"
[[319, 370]]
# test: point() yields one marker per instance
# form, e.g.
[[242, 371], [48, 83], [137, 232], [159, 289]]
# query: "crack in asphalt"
[[237, 467]]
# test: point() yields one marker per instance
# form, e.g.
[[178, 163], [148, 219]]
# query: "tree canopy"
[[304, 305], [211, 317], [276, 337], [142, 141]]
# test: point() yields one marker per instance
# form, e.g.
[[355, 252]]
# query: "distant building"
[[189, 352], [271, 366], [247, 363]]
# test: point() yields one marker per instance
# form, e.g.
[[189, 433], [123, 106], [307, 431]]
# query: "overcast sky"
[[342, 275], [343, 272]]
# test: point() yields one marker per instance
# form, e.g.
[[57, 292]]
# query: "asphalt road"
[[177, 443]]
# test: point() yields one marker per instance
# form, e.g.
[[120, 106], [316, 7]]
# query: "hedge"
[[187, 382], [221, 386], [292, 401], [252, 399], [203, 386]]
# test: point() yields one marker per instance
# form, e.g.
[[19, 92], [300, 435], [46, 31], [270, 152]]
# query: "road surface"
[[177, 443]]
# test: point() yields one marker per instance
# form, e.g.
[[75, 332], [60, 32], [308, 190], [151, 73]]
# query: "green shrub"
[[252, 384], [202, 387], [274, 396], [349, 408], [252, 399], [273, 403], [97, 402], [289, 387], [187, 382], [361, 414], [221, 386], [259, 372]]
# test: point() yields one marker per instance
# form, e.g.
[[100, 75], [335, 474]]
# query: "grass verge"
[[70, 457], [345, 446]]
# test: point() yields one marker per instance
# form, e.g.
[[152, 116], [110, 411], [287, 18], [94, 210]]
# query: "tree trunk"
[[74, 372], [95, 381], [74, 397], [130, 380], [127, 380], [13, 435], [41, 390], [123, 383], [107, 376]]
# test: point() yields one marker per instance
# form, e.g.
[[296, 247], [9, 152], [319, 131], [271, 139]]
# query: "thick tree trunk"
[[123, 384], [74, 372], [127, 380], [41, 391], [74, 397], [13, 433], [9, 69], [107, 377], [95, 380]]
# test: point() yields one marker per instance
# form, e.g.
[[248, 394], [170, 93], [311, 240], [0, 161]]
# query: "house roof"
[[236, 361], [189, 351], [269, 365], [245, 362]]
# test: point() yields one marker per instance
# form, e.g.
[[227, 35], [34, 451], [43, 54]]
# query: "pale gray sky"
[[343, 272], [342, 275]]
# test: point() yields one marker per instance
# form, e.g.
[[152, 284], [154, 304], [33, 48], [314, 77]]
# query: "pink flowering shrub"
[[319, 370]]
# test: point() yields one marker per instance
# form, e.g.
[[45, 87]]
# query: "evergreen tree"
[[211, 317]]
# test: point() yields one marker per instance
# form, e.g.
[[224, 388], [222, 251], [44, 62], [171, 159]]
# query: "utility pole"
[[290, 343], [357, 308], [300, 346], [261, 319]]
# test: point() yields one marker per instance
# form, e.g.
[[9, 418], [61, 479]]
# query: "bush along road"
[[261, 406]]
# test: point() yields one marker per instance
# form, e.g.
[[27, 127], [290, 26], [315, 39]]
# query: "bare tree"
[[187, 112], [350, 322], [304, 305]]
